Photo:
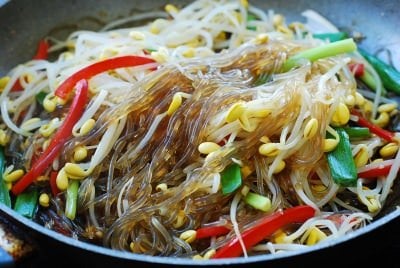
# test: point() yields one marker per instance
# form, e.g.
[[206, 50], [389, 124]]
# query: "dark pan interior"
[[24, 22]]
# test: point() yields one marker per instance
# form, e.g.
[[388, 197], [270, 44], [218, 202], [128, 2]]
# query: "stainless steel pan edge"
[[24, 22]]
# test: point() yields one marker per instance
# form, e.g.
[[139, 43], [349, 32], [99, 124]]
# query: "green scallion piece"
[[332, 37], [26, 203], [4, 193], [72, 199], [40, 97], [357, 132], [231, 178], [341, 163], [257, 201], [324, 51]]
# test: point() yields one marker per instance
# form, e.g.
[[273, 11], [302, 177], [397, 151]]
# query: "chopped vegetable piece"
[[316, 53], [251, 17], [211, 231], [341, 163], [257, 201], [375, 170], [357, 69], [26, 203], [231, 179], [361, 121], [332, 37], [357, 132], [264, 228], [370, 82], [40, 97], [60, 137], [102, 66], [42, 50], [389, 75], [72, 198], [4, 193], [53, 183]]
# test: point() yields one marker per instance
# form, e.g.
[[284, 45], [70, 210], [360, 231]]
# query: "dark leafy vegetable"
[[4, 193], [231, 178], [26, 203], [63, 133], [332, 37], [357, 132], [40, 97], [341, 163], [389, 75]]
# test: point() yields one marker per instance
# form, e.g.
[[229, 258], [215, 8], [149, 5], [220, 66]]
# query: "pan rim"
[[184, 261]]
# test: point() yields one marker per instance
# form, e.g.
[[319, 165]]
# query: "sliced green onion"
[[341, 163], [257, 201], [4, 192], [231, 178], [332, 37], [72, 198], [26, 203], [390, 76], [357, 132], [40, 97], [324, 51], [251, 17]]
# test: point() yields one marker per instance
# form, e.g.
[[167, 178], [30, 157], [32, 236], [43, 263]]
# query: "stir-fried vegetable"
[[341, 163], [361, 121], [71, 200], [42, 50], [327, 50], [357, 132], [264, 228], [102, 66], [278, 117], [231, 179], [26, 203], [207, 232], [389, 75], [332, 37], [4, 193], [58, 140]]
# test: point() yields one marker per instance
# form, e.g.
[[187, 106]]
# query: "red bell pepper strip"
[[60, 137], [211, 231], [96, 68], [382, 169], [264, 228], [357, 69], [53, 184], [42, 50], [383, 133]]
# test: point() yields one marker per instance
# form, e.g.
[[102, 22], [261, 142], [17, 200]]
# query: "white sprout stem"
[[107, 141], [233, 211], [7, 120]]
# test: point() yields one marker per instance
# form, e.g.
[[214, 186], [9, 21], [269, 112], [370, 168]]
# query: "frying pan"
[[24, 22]]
